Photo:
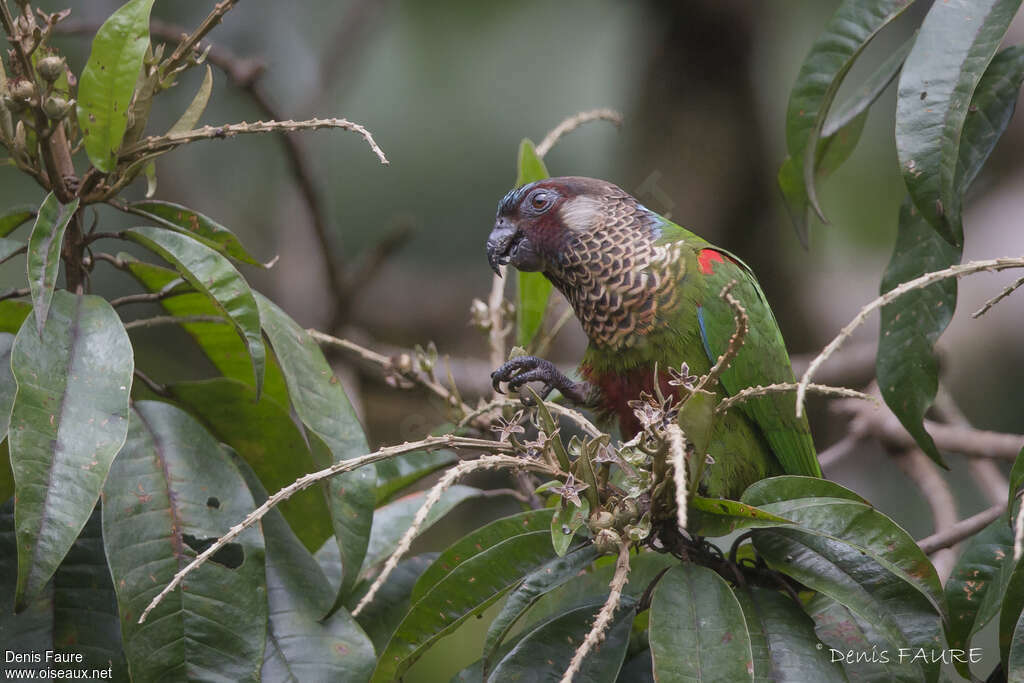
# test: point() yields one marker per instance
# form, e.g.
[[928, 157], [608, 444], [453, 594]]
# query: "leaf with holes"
[[212, 274], [534, 289], [108, 80], [69, 419], [171, 491], [44, 253]]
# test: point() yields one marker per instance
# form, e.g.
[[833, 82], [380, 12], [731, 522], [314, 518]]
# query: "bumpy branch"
[[753, 392], [189, 42], [677, 458], [572, 123]]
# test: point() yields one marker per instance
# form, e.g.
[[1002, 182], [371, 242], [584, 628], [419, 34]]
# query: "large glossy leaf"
[[75, 614], [1010, 610], [299, 646], [108, 80], [6, 475], [975, 589], [906, 366], [391, 603], [219, 342], [212, 274], [320, 402], [263, 434], [391, 521], [7, 385], [536, 584], [13, 314], [173, 489], [44, 253], [782, 639], [465, 589], [854, 24], [1015, 660], [12, 219], [394, 474], [69, 419], [534, 289], [201, 228], [957, 40], [545, 652], [697, 629], [719, 517]]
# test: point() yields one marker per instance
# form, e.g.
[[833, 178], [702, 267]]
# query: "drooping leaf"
[[536, 584], [218, 341], [1010, 610], [954, 46], [172, 490], [108, 80], [6, 475], [7, 384], [719, 517], [8, 247], [32, 628], [299, 646], [1015, 659], [782, 639], [567, 520], [13, 218], [44, 253], [391, 603], [210, 273], [195, 110], [975, 589], [465, 589], [394, 474], [697, 629], [69, 419], [545, 652], [854, 24], [194, 224], [262, 432], [321, 404], [534, 289]]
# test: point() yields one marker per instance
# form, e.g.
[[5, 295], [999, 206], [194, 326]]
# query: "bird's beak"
[[500, 244]]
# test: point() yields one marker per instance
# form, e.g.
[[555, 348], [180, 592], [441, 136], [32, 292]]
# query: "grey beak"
[[499, 243]]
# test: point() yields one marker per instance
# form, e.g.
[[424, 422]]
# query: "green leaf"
[[394, 474], [1010, 610], [720, 517], [108, 80], [534, 289], [854, 107], [391, 603], [212, 274], [6, 476], [194, 224], [1016, 481], [195, 110], [478, 541], [782, 639], [568, 518], [464, 589], [1015, 660], [391, 521], [12, 219], [977, 586], [320, 403], [263, 434], [956, 42], [545, 652], [789, 487], [299, 646], [7, 384], [536, 584], [9, 247], [13, 314], [44, 253], [173, 489], [854, 24], [69, 419], [697, 629], [219, 342]]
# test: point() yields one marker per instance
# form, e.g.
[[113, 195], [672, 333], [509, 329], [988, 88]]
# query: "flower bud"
[[627, 512], [22, 89], [50, 68], [607, 541], [56, 107], [600, 520]]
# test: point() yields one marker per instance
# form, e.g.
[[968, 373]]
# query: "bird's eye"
[[540, 201]]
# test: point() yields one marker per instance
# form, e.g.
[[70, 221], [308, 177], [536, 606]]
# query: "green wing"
[[761, 361]]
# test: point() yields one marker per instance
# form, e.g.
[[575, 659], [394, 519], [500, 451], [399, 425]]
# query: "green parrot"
[[646, 292]]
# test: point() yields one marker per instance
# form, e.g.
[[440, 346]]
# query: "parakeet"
[[646, 292]]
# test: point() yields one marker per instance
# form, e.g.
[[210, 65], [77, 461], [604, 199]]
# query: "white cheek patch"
[[578, 214]]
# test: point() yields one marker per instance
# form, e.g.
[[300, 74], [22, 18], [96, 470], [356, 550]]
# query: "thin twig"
[[604, 617], [572, 123], [893, 294], [19, 250], [997, 298], [154, 386], [450, 477], [753, 392], [431, 443], [148, 297], [173, 320], [188, 44], [496, 336], [15, 293], [965, 528], [677, 458], [936, 491]]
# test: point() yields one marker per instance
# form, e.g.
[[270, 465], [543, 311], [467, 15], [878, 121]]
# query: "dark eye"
[[540, 201]]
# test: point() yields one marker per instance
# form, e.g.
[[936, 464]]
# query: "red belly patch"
[[616, 390]]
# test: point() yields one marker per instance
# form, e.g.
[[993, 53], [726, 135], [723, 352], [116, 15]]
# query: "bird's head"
[[535, 221]]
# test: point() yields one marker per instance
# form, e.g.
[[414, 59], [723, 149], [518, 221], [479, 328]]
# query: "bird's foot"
[[523, 369]]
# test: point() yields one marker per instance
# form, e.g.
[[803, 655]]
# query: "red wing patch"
[[705, 258]]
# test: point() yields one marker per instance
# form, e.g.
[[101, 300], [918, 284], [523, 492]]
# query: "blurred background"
[[449, 88]]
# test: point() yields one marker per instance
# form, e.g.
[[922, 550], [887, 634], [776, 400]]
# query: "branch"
[[15, 293], [677, 458], [572, 123], [148, 297], [19, 250], [498, 331], [935, 489], [604, 618], [997, 298], [961, 530], [431, 443], [753, 392], [163, 143], [890, 296], [173, 320], [188, 43]]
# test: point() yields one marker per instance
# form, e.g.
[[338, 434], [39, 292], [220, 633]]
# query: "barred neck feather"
[[612, 271]]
